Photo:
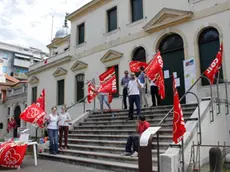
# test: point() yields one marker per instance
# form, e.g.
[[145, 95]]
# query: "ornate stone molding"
[[166, 18], [59, 72], [78, 65], [33, 80], [111, 55]]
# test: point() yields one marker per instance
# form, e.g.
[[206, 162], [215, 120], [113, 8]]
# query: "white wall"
[[3, 119]]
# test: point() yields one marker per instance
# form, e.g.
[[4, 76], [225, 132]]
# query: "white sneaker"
[[126, 154], [135, 154]]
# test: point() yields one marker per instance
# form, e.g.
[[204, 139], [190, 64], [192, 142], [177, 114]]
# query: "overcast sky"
[[28, 22]]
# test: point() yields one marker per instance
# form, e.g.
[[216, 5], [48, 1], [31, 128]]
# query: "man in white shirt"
[[134, 87], [155, 94]]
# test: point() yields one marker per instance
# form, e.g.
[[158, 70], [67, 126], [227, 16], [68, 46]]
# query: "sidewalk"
[[49, 166]]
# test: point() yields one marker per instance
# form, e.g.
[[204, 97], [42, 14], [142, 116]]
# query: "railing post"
[[84, 106], [145, 150], [226, 92], [94, 104], [218, 95]]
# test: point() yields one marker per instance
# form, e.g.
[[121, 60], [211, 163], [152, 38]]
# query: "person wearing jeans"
[[53, 131], [103, 97], [64, 119], [134, 95], [133, 140], [142, 79], [124, 82]]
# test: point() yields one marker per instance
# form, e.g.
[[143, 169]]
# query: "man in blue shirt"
[[124, 83], [142, 80]]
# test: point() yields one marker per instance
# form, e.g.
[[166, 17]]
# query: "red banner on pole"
[[41, 100], [91, 92], [135, 65], [178, 118], [215, 65], [154, 71], [33, 114]]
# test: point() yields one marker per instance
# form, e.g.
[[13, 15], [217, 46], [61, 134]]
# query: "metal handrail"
[[78, 102], [170, 111]]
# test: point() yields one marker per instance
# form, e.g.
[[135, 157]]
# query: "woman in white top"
[[64, 119], [52, 120]]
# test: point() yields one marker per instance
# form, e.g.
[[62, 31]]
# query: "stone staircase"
[[100, 139]]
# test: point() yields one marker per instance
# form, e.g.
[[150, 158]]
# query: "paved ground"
[[49, 166]]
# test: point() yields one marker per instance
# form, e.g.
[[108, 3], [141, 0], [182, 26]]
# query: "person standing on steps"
[[53, 120], [134, 87], [124, 82], [133, 140], [142, 79], [64, 119], [155, 94]]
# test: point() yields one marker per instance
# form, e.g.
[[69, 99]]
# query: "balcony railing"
[[16, 91], [50, 60]]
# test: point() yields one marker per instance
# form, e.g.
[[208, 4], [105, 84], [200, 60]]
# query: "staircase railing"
[[78, 102]]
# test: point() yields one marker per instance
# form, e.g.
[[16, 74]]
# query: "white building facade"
[[114, 32]]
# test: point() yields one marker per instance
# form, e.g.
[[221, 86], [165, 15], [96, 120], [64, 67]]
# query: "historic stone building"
[[114, 32]]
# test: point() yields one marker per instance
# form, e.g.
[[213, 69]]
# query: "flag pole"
[[182, 152]]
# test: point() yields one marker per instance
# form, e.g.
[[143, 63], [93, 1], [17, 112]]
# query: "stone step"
[[142, 112], [113, 137], [102, 156], [104, 127], [165, 107], [116, 150], [109, 131], [94, 163], [147, 116], [108, 143]]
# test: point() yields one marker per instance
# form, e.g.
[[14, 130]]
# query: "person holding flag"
[[124, 82]]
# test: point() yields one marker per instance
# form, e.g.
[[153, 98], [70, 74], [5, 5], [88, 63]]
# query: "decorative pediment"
[[33, 80], [78, 65], [60, 71], [111, 55], [167, 17]]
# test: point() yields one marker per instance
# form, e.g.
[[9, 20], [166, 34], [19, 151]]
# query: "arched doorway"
[[17, 112], [209, 45], [80, 83], [172, 51]]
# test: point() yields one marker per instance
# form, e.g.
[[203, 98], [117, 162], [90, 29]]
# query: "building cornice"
[[58, 41]]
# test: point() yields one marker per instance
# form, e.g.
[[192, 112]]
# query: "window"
[[34, 94], [81, 33], [209, 45], [112, 19], [8, 111], [80, 83], [137, 10], [61, 92], [5, 56], [4, 68], [117, 80]]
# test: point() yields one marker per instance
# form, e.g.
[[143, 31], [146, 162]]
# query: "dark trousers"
[[132, 141], [53, 138], [155, 95], [65, 130], [125, 95], [134, 99]]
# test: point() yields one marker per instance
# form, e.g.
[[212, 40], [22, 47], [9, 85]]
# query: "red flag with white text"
[[41, 100], [12, 154], [154, 71], [34, 114], [178, 118], [91, 92], [135, 65], [215, 66], [108, 83]]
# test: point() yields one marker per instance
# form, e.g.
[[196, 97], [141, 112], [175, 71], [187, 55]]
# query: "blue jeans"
[[134, 99], [102, 99], [53, 138]]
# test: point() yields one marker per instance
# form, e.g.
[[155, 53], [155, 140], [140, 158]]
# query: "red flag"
[[215, 66], [108, 86], [155, 73], [178, 118], [41, 100], [91, 92], [110, 98], [12, 154], [46, 61], [108, 81], [135, 65], [33, 114]]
